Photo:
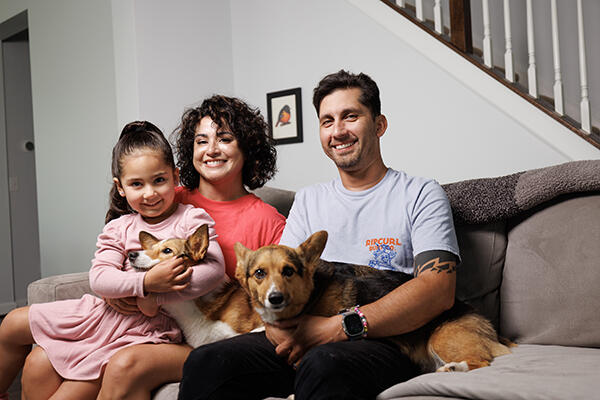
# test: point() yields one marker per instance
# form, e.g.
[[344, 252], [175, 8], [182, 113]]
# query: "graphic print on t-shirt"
[[383, 251]]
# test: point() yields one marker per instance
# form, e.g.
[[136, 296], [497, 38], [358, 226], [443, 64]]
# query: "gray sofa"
[[530, 245]]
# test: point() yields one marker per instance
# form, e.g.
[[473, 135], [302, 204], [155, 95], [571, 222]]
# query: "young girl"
[[79, 336]]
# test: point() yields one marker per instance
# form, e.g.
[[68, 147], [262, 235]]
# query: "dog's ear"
[[241, 254], [197, 244], [312, 248], [147, 240]]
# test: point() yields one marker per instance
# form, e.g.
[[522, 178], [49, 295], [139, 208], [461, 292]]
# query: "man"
[[375, 216]]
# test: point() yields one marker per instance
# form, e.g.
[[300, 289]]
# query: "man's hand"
[[167, 276], [311, 331], [125, 305], [281, 331]]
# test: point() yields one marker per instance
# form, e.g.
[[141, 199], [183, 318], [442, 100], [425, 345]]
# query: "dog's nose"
[[276, 298], [132, 256]]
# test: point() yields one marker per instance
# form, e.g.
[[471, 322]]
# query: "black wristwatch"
[[354, 323]]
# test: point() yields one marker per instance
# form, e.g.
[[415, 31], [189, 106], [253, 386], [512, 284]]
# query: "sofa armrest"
[[59, 287]]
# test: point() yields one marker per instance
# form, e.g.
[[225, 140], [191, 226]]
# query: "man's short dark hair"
[[347, 80]]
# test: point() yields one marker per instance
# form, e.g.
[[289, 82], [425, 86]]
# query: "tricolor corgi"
[[285, 282]]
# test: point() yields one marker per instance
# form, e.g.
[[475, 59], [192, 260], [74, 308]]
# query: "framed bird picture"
[[284, 111]]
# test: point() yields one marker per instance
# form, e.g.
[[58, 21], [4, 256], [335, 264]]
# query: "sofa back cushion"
[[551, 284], [479, 275], [281, 199]]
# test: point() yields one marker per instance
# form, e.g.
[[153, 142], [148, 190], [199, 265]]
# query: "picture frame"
[[284, 112]]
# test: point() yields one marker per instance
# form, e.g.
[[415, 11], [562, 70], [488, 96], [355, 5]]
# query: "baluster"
[[487, 35], [584, 105], [531, 71], [508, 55], [437, 16], [558, 85], [419, 9], [400, 3]]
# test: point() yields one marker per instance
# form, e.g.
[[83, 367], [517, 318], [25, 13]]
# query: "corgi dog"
[[284, 282], [220, 314]]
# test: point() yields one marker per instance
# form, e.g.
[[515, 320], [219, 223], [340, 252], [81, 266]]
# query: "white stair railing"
[[509, 53], [584, 106], [532, 69], [558, 85], [509, 72], [487, 35]]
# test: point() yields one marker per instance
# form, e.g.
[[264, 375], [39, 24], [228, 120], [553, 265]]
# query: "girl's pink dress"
[[79, 336]]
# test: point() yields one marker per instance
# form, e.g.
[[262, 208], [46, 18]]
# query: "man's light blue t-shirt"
[[384, 226]]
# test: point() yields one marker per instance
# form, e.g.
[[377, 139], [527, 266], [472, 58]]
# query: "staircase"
[[505, 50]]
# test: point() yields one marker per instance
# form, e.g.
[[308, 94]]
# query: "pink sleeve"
[[207, 275], [107, 278]]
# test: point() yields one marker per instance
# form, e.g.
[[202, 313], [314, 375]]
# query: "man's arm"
[[403, 310], [418, 301]]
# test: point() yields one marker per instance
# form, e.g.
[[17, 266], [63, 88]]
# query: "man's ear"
[[310, 251], [197, 244], [147, 240], [241, 254], [381, 124]]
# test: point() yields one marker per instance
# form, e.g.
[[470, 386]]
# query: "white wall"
[[183, 56], [74, 111], [438, 127]]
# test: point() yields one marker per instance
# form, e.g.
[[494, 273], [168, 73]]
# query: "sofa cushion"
[[281, 199], [551, 276], [530, 372], [59, 287], [482, 249]]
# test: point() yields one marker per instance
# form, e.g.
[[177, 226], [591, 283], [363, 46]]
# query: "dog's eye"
[[260, 274], [167, 251], [287, 271]]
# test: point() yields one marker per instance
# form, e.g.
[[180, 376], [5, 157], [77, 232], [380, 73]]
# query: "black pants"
[[247, 367]]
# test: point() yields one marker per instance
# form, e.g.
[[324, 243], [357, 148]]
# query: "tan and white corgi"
[[220, 314]]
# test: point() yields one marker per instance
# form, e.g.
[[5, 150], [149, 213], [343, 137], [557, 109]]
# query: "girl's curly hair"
[[247, 125]]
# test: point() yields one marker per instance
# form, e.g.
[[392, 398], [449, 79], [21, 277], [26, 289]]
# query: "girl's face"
[[148, 184], [217, 156]]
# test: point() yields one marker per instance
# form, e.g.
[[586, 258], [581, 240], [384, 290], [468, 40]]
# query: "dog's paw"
[[454, 367]]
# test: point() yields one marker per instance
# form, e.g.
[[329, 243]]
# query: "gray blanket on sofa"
[[485, 200]]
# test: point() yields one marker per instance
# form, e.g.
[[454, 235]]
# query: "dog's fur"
[[220, 314], [283, 282]]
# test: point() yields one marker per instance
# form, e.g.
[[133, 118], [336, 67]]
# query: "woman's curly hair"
[[246, 124]]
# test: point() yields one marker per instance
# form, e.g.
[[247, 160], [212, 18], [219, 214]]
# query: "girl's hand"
[[147, 305], [125, 305], [167, 276]]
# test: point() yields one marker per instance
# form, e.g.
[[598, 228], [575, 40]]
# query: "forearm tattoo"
[[436, 261]]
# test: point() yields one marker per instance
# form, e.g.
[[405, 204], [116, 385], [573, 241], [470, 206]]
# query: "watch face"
[[353, 324]]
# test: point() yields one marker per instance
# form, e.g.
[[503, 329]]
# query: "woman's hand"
[[167, 276], [124, 305]]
